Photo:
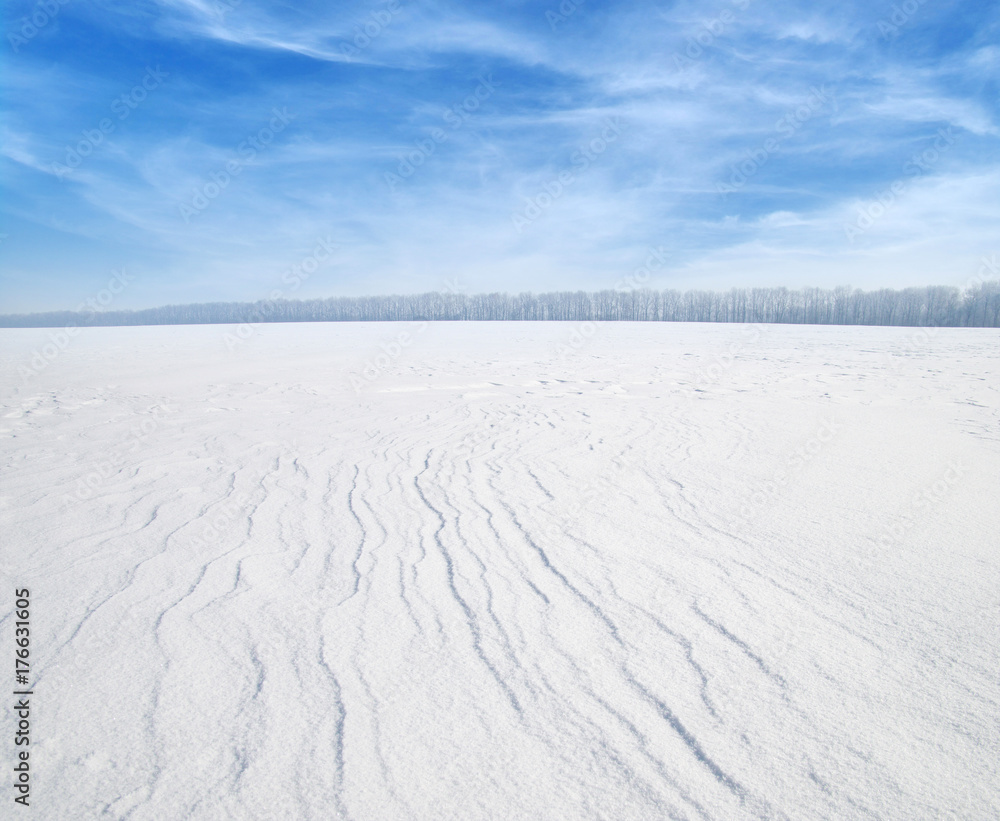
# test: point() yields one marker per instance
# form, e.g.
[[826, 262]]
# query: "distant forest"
[[977, 306]]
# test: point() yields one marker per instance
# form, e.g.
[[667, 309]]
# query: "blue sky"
[[207, 148]]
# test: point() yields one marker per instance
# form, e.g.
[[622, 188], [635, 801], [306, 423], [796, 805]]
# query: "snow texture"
[[506, 571]]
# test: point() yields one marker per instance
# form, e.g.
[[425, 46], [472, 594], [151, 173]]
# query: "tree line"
[[977, 306]]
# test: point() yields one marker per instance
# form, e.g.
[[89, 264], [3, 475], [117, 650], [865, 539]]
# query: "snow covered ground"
[[506, 571]]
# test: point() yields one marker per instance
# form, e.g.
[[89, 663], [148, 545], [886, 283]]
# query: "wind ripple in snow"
[[529, 589]]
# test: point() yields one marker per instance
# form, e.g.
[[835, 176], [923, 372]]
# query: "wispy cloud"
[[706, 95]]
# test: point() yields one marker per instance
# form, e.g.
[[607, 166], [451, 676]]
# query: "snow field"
[[675, 571]]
